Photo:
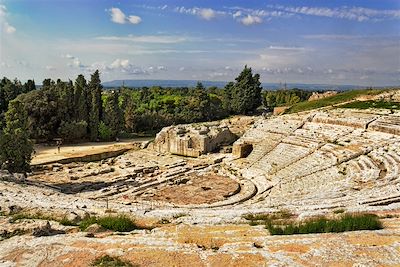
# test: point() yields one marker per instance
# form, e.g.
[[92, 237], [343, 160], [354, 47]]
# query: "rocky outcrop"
[[193, 140], [317, 96]]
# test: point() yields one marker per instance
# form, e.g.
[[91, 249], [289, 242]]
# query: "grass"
[[6, 235], [332, 100], [120, 223], [348, 222], [263, 218], [109, 261], [372, 104], [32, 216], [338, 211], [40, 216]]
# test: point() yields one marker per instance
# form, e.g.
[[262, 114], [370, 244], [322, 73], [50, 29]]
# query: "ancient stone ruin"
[[193, 140]]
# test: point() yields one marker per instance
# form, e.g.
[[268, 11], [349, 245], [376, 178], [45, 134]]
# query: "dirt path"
[[46, 153]]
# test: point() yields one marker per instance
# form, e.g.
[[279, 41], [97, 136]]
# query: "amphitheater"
[[309, 163]]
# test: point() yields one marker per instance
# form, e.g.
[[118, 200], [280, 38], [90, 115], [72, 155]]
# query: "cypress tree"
[[80, 99], [95, 112], [113, 114]]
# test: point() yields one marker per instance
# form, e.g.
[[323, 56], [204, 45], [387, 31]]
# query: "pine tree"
[[16, 148], [95, 112], [246, 92]]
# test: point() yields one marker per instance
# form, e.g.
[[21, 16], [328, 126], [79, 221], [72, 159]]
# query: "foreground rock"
[[221, 245]]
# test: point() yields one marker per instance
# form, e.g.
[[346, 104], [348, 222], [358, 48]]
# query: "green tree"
[[16, 148], [29, 86], [246, 92], [112, 113], [80, 99], [227, 96], [95, 112]]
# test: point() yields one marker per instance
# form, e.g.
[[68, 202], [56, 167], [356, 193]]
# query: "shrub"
[[105, 132], [348, 222], [85, 223], [73, 130], [119, 223], [64, 221], [109, 261]]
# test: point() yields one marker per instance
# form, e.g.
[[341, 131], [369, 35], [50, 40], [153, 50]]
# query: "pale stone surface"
[[310, 163], [316, 96], [193, 140]]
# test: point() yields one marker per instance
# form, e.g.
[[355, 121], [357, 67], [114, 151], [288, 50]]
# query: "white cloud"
[[50, 68], [3, 22], [237, 14], [162, 68], [124, 66], [204, 13], [207, 13], [182, 69], [9, 28], [250, 20], [117, 16], [120, 63], [160, 39], [350, 13], [74, 62], [134, 19], [292, 48]]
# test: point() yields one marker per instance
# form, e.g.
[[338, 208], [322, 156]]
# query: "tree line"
[[81, 110]]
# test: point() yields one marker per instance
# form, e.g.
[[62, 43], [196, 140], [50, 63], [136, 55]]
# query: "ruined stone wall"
[[193, 140]]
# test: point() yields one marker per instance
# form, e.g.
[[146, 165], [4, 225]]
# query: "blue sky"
[[333, 42]]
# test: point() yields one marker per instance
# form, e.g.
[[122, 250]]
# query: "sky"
[[314, 41]]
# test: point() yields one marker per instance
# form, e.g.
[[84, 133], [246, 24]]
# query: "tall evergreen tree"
[[246, 92], [95, 112], [16, 148], [227, 96], [202, 101], [113, 114], [81, 99], [29, 86]]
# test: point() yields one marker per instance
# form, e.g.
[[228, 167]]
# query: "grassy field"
[[371, 104], [332, 100]]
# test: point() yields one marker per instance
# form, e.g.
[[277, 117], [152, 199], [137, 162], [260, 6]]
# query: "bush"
[[109, 261], [119, 223], [348, 222], [105, 132], [72, 131], [64, 221], [87, 222]]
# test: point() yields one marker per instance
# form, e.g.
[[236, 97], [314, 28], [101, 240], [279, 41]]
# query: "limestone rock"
[[193, 140], [95, 228], [46, 230]]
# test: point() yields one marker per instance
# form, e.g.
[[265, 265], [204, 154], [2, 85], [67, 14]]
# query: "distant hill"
[[220, 84]]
